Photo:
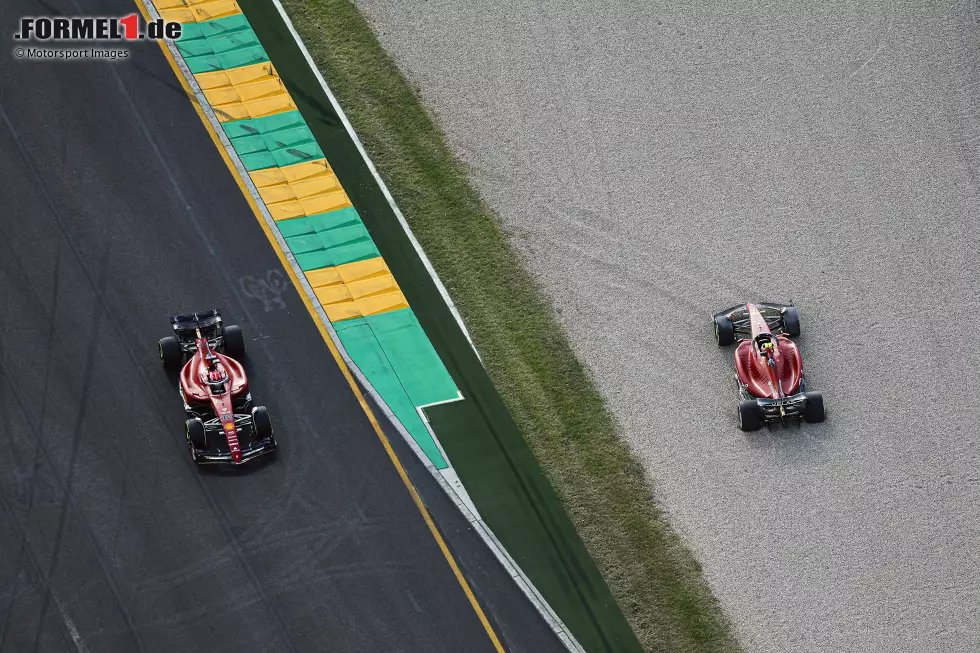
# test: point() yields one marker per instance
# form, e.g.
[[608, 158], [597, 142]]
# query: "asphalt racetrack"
[[116, 211], [658, 162]]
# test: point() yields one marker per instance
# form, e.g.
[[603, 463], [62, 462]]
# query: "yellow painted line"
[[357, 289], [196, 11], [392, 456]]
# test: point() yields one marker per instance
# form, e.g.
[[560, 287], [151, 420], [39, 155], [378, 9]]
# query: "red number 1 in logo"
[[129, 22]]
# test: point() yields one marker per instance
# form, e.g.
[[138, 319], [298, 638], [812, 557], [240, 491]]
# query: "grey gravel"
[[658, 163]]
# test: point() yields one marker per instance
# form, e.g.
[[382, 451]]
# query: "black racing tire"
[[234, 342], [749, 415], [194, 430], [261, 422], [791, 321], [724, 331], [813, 412], [170, 355]]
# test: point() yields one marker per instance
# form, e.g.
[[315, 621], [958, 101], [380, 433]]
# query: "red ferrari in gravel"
[[768, 366], [222, 424]]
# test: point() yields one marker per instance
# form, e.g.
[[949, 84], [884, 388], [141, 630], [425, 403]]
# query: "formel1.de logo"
[[88, 28]]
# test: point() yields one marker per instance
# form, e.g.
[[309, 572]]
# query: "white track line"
[[377, 178]]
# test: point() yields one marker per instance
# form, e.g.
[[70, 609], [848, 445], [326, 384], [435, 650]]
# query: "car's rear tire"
[[170, 355], [261, 422], [813, 412], [749, 415], [724, 331], [234, 342], [791, 321], [194, 430]]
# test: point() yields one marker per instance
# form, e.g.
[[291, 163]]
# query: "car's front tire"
[[791, 321], [813, 412], [170, 354], [194, 430], [724, 331], [261, 422], [749, 415], [234, 342]]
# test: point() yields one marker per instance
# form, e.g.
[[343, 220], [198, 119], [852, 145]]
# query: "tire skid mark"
[[53, 332], [202, 613], [76, 440], [24, 549], [28, 556], [205, 563], [35, 429]]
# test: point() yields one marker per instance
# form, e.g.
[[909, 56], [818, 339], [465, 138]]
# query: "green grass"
[[654, 578]]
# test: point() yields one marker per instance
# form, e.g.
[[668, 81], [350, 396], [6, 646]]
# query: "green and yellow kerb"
[[321, 227]]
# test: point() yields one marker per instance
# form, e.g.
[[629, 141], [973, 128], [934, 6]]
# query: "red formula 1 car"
[[768, 366], [222, 424]]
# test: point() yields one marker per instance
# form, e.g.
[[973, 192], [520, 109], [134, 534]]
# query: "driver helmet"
[[216, 377], [215, 374], [767, 346]]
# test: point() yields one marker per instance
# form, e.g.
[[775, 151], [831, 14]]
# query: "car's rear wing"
[[186, 326], [196, 320], [739, 315]]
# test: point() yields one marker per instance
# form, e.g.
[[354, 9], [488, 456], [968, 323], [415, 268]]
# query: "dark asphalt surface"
[[117, 211]]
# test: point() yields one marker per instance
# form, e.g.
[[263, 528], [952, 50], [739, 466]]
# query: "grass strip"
[[656, 581]]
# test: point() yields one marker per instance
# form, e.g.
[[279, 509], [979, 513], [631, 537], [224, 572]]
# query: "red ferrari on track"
[[222, 424], [768, 366]]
